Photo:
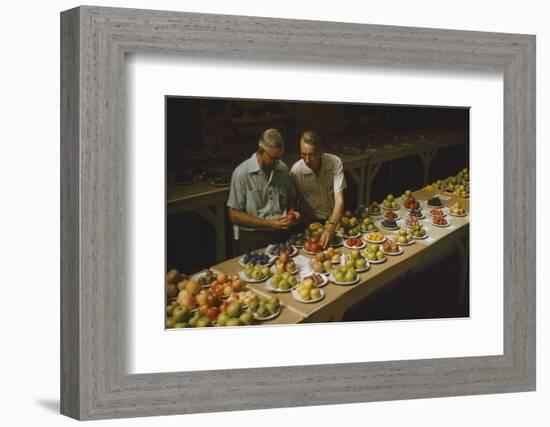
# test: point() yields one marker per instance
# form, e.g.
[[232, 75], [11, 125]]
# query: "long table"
[[339, 298]]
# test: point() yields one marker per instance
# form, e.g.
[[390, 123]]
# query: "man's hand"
[[326, 237], [278, 223]]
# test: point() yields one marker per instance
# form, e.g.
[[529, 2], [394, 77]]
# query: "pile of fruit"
[[175, 282], [411, 221], [355, 260], [406, 195], [458, 185], [457, 210], [354, 242], [411, 203], [375, 237], [390, 203], [350, 224], [283, 281], [418, 232], [264, 309], [373, 253], [233, 314], [403, 237], [391, 248], [344, 274], [333, 255], [416, 213], [368, 225], [297, 240], [279, 248], [440, 221], [308, 291], [321, 263], [313, 245], [318, 279], [315, 229], [243, 297], [225, 285], [389, 224], [391, 215], [374, 209], [437, 212], [256, 272], [256, 258], [435, 202], [284, 264]]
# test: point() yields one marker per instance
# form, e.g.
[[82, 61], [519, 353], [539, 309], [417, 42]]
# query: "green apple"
[[354, 253], [246, 318], [203, 322], [304, 294], [181, 313], [233, 321], [360, 263], [380, 255], [349, 277], [234, 309], [315, 293], [339, 276]]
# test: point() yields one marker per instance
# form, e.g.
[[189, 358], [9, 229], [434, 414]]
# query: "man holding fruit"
[[261, 192], [320, 184]]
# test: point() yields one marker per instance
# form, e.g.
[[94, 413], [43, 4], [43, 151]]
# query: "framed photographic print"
[[315, 198]]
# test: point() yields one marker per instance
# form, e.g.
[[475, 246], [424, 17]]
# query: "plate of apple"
[[320, 263], [389, 203], [374, 209], [375, 237], [374, 254], [278, 248], [345, 276], [205, 277], [457, 210], [437, 212], [254, 273], [354, 243], [284, 265], [281, 282], [312, 246], [418, 232], [411, 222], [391, 248], [355, 260], [307, 292], [440, 221], [334, 255], [391, 215], [264, 309], [404, 238]]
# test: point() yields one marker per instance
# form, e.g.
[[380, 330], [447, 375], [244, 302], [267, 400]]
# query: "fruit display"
[[281, 282], [350, 224], [225, 285], [435, 202], [355, 260], [278, 248], [404, 238], [411, 221], [375, 237], [416, 213], [418, 232], [354, 242], [391, 215], [233, 314], [411, 203], [308, 292], [458, 185], [391, 248], [255, 273], [390, 203], [321, 263], [266, 309], [334, 255], [206, 277], [374, 254], [256, 258], [245, 298], [173, 277], [457, 210], [437, 212], [389, 224], [344, 275], [315, 229], [297, 240], [440, 221], [319, 280], [374, 209], [367, 225], [284, 265], [312, 245]]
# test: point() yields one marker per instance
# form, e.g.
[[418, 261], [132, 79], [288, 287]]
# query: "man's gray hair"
[[271, 138]]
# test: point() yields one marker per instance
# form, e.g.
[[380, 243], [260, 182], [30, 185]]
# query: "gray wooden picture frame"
[[94, 41]]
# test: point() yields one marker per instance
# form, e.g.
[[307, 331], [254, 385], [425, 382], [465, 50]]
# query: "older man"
[[320, 184], [261, 192]]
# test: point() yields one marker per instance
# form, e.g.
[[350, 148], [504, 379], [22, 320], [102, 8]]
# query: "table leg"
[[426, 157]]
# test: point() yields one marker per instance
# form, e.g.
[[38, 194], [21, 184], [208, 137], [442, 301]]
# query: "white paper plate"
[[434, 215], [425, 236], [333, 280], [434, 207], [391, 209], [391, 229], [347, 236], [405, 244], [397, 218], [310, 253], [442, 226], [296, 296], [378, 261], [292, 253], [271, 316], [458, 216], [243, 277], [393, 253], [355, 247]]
